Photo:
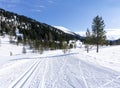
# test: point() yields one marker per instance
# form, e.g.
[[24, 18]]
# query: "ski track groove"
[[44, 73], [33, 75], [82, 74], [118, 77], [25, 75], [65, 59], [33, 82]]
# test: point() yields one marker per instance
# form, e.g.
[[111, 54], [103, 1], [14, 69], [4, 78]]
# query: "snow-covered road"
[[64, 71]]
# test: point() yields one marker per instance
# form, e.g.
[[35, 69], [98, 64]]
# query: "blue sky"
[[77, 15]]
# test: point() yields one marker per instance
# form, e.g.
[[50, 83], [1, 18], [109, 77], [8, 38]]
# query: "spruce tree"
[[98, 32]]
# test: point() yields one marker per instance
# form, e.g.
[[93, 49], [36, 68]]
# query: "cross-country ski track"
[[64, 71]]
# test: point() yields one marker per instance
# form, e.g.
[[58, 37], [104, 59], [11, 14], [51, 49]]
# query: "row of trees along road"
[[97, 36]]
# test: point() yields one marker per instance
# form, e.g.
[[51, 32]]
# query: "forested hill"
[[28, 30]]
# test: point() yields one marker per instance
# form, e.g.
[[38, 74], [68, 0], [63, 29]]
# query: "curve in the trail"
[[42, 57]]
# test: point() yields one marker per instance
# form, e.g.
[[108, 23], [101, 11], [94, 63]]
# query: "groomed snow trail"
[[65, 71], [20, 82]]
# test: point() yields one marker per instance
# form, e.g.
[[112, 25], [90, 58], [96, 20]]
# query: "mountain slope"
[[65, 30], [111, 34], [12, 21], [29, 31]]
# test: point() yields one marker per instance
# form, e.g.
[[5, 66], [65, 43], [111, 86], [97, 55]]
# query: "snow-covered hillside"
[[66, 30], [53, 69], [112, 34]]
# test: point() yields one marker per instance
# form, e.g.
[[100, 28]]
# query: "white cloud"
[[34, 6], [112, 0], [39, 6], [9, 1], [36, 10], [50, 1]]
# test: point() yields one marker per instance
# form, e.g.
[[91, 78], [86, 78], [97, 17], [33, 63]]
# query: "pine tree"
[[98, 32]]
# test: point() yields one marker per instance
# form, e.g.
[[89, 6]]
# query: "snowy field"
[[53, 69]]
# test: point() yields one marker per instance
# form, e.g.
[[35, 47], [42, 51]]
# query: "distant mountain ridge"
[[111, 34]]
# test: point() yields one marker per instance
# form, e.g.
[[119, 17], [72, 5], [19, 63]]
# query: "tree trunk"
[[87, 48], [97, 48]]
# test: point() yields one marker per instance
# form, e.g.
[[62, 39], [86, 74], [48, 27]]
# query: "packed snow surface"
[[53, 69]]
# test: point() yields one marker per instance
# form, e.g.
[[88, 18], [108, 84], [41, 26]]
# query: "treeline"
[[114, 42]]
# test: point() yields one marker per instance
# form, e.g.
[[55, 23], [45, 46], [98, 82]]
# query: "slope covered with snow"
[[111, 34], [66, 30], [53, 69]]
